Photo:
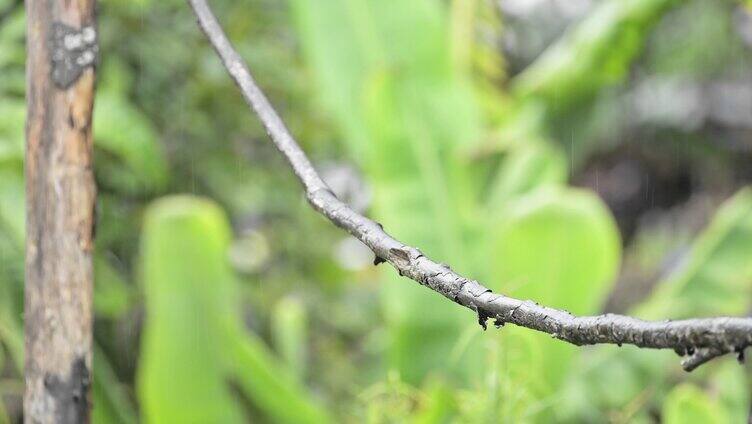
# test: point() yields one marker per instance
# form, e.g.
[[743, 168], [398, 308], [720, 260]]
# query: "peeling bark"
[[700, 340], [60, 197]]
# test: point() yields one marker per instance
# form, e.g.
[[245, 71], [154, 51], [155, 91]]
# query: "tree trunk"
[[60, 199]]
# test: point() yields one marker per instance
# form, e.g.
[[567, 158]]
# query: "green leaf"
[[340, 46], [193, 341], [188, 289], [561, 248], [271, 385], [527, 167], [687, 404], [558, 246]]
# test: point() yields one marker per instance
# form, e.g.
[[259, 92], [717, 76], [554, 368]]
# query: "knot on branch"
[[72, 50]]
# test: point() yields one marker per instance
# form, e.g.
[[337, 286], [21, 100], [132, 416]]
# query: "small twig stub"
[[72, 51]]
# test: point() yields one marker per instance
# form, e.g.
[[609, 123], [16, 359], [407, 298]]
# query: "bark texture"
[[60, 198], [698, 340]]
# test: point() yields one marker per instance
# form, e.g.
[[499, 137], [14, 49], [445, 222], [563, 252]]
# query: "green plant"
[[193, 339]]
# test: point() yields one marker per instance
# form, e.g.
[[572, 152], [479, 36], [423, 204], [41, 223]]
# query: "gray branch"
[[699, 340]]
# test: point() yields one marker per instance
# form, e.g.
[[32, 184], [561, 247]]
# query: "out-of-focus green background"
[[590, 155]]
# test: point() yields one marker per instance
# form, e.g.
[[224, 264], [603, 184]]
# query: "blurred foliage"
[[239, 308], [598, 52], [687, 404], [191, 306], [717, 264]]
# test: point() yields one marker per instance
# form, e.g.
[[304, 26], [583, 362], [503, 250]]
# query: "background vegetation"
[[590, 155]]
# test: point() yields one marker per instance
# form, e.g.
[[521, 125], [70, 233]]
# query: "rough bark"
[[60, 198], [699, 340]]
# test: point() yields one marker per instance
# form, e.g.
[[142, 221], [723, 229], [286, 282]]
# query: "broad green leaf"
[[559, 247], [188, 291], [687, 404], [193, 342]]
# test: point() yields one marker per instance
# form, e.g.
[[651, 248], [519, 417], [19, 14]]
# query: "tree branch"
[[700, 339], [60, 200]]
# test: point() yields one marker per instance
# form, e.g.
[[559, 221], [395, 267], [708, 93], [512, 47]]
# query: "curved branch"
[[701, 339]]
